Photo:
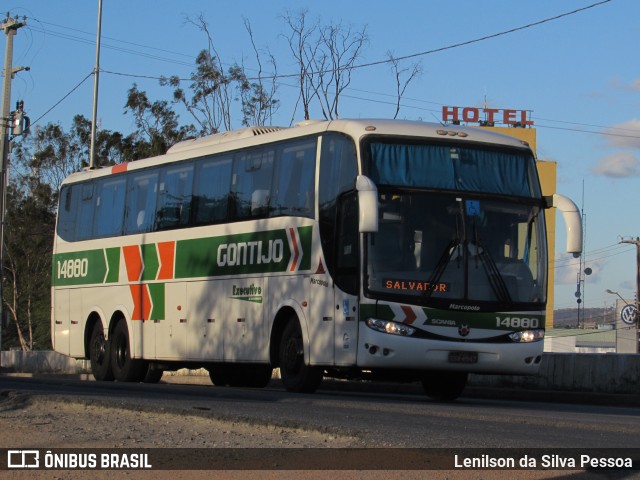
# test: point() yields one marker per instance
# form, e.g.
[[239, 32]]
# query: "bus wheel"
[[220, 375], [444, 386], [153, 374], [125, 369], [99, 355], [296, 376]]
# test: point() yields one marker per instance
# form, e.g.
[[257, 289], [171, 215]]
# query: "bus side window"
[[347, 251], [142, 193], [84, 230], [251, 183], [338, 170], [211, 198], [293, 189], [174, 203], [110, 207], [67, 212]]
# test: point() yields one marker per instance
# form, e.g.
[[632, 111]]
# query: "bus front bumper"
[[382, 350]]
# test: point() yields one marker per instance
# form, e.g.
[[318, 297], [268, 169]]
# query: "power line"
[[62, 99], [401, 58]]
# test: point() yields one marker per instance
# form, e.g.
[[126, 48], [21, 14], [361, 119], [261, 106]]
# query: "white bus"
[[349, 248]]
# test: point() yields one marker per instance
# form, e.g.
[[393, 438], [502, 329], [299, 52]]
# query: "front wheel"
[[296, 375], [444, 386], [125, 368], [100, 355]]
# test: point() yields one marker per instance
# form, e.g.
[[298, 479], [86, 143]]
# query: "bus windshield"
[[460, 226]]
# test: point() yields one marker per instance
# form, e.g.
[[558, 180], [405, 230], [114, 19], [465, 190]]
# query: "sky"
[[578, 74]]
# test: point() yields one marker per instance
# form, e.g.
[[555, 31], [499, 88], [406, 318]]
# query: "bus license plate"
[[463, 357]]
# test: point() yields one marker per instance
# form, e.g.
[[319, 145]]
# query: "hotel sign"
[[486, 116]]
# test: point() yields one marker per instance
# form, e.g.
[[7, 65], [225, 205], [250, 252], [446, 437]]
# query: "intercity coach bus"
[[377, 249]]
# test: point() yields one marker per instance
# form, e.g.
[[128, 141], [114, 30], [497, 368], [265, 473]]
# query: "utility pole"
[[636, 242], [96, 78], [10, 27]]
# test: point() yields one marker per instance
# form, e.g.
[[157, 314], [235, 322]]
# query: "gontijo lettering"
[[250, 253]]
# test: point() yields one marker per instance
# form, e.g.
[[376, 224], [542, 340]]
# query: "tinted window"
[[67, 212], [86, 211], [251, 187], [141, 202], [174, 203], [211, 198], [293, 190], [110, 207]]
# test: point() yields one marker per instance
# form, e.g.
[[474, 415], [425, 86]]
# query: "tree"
[[210, 99], [325, 56], [157, 127], [30, 220], [412, 72], [51, 154], [259, 102]]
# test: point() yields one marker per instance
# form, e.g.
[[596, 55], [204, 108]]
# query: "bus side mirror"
[[368, 204], [572, 220]]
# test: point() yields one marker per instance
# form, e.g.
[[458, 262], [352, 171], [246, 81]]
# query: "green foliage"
[[30, 220]]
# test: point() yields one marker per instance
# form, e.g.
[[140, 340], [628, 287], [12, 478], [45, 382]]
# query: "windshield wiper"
[[496, 280], [449, 250], [441, 266]]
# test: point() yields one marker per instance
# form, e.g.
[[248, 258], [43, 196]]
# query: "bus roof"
[[254, 136]]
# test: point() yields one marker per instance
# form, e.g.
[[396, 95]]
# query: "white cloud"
[[625, 135], [619, 165]]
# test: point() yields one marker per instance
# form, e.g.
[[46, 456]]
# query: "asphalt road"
[[377, 416]]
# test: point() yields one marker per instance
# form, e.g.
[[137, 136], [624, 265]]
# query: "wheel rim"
[[292, 355], [99, 350]]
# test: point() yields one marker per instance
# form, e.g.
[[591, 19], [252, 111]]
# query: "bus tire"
[[152, 374], [220, 375], [100, 355], [125, 368], [296, 375], [444, 386]]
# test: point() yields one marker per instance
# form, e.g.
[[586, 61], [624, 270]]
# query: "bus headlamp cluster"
[[527, 336], [393, 328]]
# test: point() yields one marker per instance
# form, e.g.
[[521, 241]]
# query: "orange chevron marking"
[[141, 302], [133, 262], [166, 252]]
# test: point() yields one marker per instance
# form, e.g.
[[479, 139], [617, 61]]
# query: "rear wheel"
[[444, 386], [296, 375], [125, 368], [99, 355]]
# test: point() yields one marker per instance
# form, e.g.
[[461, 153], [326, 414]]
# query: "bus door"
[[346, 328], [347, 261], [321, 317]]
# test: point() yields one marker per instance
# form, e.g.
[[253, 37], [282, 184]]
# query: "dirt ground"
[[36, 422]]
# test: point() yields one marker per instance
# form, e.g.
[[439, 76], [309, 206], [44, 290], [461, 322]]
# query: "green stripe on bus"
[[150, 262], [156, 293], [113, 264]]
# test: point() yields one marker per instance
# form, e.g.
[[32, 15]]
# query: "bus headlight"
[[393, 328], [527, 336]]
